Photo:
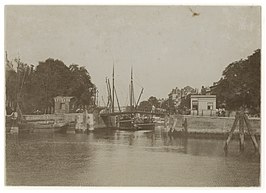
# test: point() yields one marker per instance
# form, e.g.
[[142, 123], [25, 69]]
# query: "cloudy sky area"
[[166, 46]]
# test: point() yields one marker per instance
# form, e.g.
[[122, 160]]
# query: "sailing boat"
[[130, 119], [21, 125], [16, 122]]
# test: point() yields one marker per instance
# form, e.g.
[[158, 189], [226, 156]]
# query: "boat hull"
[[129, 125]]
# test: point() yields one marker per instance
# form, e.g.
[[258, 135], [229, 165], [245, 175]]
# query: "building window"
[[195, 105], [210, 106], [61, 105]]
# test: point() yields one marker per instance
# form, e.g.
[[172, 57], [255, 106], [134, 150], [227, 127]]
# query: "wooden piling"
[[231, 132], [185, 125], [241, 133], [242, 118], [253, 138]]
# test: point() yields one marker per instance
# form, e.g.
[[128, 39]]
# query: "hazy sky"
[[166, 46]]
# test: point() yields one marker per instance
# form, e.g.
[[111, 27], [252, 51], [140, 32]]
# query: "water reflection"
[[119, 158]]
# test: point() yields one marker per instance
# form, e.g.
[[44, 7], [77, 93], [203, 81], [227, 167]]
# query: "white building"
[[203, 105]]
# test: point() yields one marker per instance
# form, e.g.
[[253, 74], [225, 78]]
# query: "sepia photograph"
[[132, 95]]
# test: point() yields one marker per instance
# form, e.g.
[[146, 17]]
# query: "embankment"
[[205, 125]]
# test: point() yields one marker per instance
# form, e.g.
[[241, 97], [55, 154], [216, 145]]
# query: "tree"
[[184, 105], [154, 101], [147, 105], [240, 84], [35, 89], [51, 79], [81, 86], [169, 106], [17, 85], [11, 97]]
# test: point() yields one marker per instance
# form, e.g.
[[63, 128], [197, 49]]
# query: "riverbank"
[[196, 126], [206, 126]]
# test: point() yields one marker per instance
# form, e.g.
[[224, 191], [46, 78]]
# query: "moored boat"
[[129, 119]]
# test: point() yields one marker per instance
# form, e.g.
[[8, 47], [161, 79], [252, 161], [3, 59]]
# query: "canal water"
[[121, 158]]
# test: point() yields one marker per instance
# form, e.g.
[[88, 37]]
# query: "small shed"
[[62, 104], [204, 105]]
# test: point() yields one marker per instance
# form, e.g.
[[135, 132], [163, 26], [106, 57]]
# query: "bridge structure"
[[105, 114], [124, 110]]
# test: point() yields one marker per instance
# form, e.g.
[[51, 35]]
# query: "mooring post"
[[231, 132], [185, 125], [253, 138], [241, 131]]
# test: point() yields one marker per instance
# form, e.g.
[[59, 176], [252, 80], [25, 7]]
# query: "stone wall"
[[90, 121], [209, 124], [51, 117]]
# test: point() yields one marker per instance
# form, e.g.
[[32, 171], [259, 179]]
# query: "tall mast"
[[113, 91], [130, 101], [109, 93], [131, 90]]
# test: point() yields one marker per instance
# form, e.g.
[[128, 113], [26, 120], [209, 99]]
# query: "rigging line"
[[103, 101], [139, 97], [123, 95], [126, 100], [108, 98], [136, 79], [117, 100], [22, 83], [109, 88]]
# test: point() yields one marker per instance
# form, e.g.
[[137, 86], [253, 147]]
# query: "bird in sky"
[[194, 13]]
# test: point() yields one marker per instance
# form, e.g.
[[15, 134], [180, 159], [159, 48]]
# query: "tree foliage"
[[36, 88], [184, 106], [169, 106], [240, 84], [147, 105]]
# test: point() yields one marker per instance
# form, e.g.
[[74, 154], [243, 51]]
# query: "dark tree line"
[[147, 105], [240, 84], [35, 88], [167, 105]]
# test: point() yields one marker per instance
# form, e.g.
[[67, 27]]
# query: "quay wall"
[[93, 119], [206, 124], [69, 117]]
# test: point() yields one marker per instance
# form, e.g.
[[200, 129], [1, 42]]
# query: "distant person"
[[153, 109], [219, 112], [223, 112]]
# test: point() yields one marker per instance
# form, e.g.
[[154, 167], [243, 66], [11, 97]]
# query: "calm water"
[[121, 158]]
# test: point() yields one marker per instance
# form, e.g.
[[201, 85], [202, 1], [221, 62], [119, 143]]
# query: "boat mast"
[[108, 98], [131, 90], [110, 101], [113, 90], [19, 86]]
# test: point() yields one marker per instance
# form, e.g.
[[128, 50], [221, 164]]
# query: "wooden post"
[[253, 138], [231, 132], [241, 133], [185, 125], [242, 118]]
